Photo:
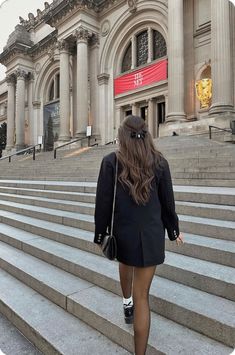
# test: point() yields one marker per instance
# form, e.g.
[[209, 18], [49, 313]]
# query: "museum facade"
[[80, 63]]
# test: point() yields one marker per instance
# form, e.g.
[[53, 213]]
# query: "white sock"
[[128, 301]]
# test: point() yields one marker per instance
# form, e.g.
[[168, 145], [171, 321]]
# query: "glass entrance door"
[[51, 120]]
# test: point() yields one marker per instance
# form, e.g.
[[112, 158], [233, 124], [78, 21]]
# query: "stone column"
[[64, 91], [103, 80], [30, 106], [134, 109], [20, 109], [175, 61], [133, 53], [10, 112], [221, 59], [82, 36], [94, 70], [151, 123], [150, 44]]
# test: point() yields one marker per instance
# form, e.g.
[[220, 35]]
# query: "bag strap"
[[114, 195]]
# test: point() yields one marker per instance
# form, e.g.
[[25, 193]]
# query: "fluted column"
[[175, 61], [221, 59], [20, 109], [10, 111], [82, 36], [30, 106], [134, 108], [151, 111], [64, 91], [94, 71]]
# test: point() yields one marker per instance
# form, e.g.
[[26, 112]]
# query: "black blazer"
[[129, 218]]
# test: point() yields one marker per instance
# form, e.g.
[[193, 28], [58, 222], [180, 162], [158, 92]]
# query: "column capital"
[[11, 79], [31, 76], [63, 45], [21, 74], [81, 34]]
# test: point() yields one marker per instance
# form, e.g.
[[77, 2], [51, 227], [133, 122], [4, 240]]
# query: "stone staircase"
[[64, 296]]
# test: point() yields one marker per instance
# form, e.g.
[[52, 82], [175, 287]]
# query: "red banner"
[[141, 77]]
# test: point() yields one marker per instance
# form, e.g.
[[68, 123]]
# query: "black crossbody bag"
[[109, 244]]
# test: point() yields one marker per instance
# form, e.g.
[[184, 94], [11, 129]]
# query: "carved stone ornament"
[[21, 74], [37, 68], [132, 5], [105, 28], [11, 79], [63, 45], [81, 34], [95, 39]]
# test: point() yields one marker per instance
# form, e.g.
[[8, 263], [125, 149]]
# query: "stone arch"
[[119, 36], [117, 42], [43, 80]]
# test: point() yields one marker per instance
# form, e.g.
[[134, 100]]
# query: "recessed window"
[[54, 91], [158, 44], [142, 48]]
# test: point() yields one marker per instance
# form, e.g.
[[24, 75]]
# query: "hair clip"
[[138, 135]]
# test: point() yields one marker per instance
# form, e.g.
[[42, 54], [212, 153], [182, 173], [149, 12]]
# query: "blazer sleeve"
[[166, 196], [104, 200]]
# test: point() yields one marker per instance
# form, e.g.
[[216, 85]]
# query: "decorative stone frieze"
[[11, 79], [63, 45]]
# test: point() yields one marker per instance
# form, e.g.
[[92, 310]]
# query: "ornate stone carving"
[[81, 34], [132, 4], [63, 45], [21, 74], [105, 28], [46, 5], [31, 76], [95, 39], [11, 79], [37, 68]]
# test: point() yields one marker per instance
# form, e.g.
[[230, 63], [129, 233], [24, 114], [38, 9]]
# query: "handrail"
[[22, 151], [73, 141], [220, 129]]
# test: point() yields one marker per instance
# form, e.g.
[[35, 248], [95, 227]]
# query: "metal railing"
[[73, 141], [19, 152], [220, 129]]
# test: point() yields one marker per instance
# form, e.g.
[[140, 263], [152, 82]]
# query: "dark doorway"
[[161, 112], [128, 112], [51, 125], [144, 112]]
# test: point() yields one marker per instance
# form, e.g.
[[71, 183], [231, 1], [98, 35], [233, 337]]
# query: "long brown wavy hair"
[[138, 157]]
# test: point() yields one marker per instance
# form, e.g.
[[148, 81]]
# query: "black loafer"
[[128, 314]]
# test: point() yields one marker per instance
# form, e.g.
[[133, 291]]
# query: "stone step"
[[206, 210], [204, 183], [167, 298], [51, 194], [49, 327], [70, 293], [71, 186], [51, 189], [205, 194], [12, 341], [188, 208], [205, 248], [207, 276], [208, 227], [196, 225], [209, 249]]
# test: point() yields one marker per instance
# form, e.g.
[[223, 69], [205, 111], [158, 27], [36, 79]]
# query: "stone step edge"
[[87, 244], [157, 304]]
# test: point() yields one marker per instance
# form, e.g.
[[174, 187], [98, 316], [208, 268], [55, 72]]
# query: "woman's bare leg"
[[141, 285], [126, 278]]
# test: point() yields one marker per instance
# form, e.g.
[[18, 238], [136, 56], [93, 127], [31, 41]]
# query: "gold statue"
[[204, 92]]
